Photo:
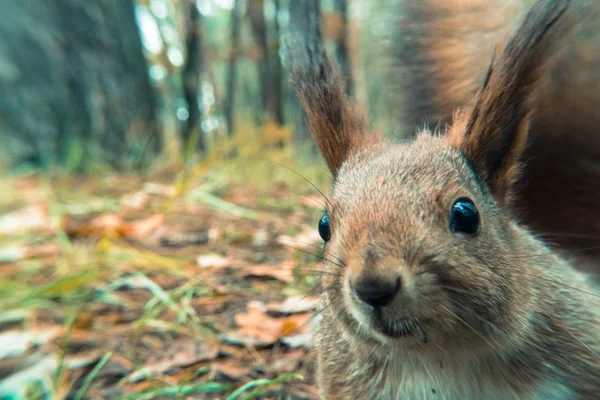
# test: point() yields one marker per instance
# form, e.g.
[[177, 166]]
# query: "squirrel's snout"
[[377, 292]]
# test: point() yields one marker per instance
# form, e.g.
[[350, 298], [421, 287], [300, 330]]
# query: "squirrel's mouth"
[[402, 328]]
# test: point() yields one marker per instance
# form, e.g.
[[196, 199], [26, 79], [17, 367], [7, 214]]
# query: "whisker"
[[492, 344], [303, 177], [559, 252], [322, 272], [583, 344], [320, 248], [461, 291], [567, 235], [480, 318], [320, 257], [560, 284]]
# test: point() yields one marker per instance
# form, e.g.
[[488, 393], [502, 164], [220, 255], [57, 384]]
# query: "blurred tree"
[[256, 14], [305, 16], [341, 45], [277, 70], [235, 26], [74, 84], [191, 74], [268, 62]]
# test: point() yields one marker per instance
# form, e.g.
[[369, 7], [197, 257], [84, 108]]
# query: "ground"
[[171, 285]]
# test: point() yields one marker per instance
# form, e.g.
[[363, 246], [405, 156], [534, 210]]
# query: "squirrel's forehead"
[[395, 177], [405, 165]]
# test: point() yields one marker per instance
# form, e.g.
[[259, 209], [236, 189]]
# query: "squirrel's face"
[[419, 251]]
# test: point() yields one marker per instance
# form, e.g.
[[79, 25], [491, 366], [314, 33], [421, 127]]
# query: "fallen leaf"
[[30, 218], [307, 240], [283, 272], [141, 228], [107, 224], [82, 360], [296, 341], [231, 370], [13, 253], [258, 329], [16, 253], [293, 305], [183, 239], [160, 189], [189, 352], [262, 238], [287, 362], [113, 225], [183, 353], [40, 371], [136, 201], [16, 342], [213, 261]]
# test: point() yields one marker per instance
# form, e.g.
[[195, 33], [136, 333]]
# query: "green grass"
[[88, 273]]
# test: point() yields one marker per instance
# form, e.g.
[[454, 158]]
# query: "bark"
[[305, 16], [277, 72], [341, 46], [256, 13], [231, 67], [192, 85], [74, 84]]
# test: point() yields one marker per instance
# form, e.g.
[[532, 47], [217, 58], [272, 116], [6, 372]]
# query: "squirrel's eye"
[[324, 229], [464, 217]]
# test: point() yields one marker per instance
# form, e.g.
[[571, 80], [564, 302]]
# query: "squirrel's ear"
[[493, 135], [337, 127]]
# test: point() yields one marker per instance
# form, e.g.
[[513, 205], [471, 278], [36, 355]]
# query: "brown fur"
[[440, 54], [496, 315]]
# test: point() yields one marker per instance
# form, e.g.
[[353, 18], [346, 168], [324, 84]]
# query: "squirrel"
[[432, 288], [434, 61]]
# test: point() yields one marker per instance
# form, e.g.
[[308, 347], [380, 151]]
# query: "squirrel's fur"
[[496, 315], [436, 61]]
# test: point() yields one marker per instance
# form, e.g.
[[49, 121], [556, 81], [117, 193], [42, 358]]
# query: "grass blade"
[[88, 380]]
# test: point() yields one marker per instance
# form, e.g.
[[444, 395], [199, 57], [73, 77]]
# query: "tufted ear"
[[336, 125], [493, 135]]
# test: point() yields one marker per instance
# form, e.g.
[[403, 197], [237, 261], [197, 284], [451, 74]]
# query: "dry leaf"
[[16, 342], [213, 261], [144, 227], [184, 353], [114, 226], [307, 240], [136, 201], [258, 329], [107, 224], [16, 253], [160, 189], [231, 370], [189, 352], [183, 239], [293, 305], [283, 272], [26, 219], [287, 362]]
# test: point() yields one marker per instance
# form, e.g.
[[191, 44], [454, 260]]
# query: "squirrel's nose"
[[377, 292]]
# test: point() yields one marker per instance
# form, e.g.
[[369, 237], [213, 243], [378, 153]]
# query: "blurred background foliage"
[[129, 84]]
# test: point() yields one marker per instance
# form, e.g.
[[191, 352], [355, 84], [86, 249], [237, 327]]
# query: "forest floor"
[[164, 286]]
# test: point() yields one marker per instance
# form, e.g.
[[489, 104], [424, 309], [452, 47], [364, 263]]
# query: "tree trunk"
[[192, 86], [277, 71], [74, 84], [231, 67], [341, 46], [256, 13], [305, 16]]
